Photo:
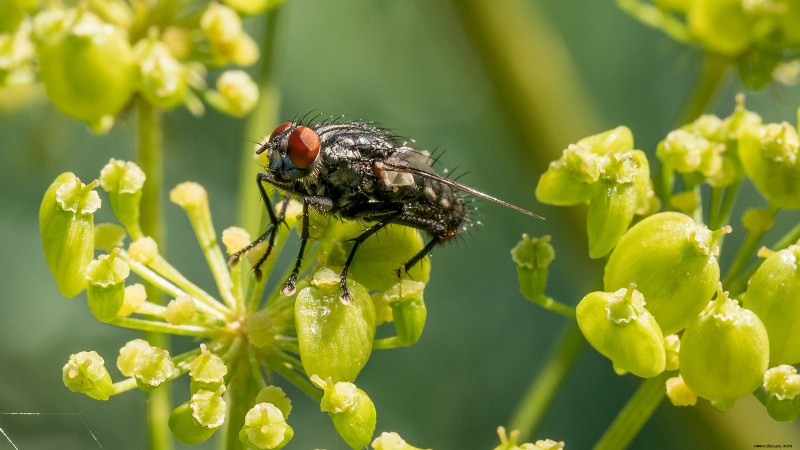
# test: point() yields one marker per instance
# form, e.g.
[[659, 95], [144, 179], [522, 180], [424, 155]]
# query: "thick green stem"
[[635, 414], [241, 397], [150, 157], [542, 391]]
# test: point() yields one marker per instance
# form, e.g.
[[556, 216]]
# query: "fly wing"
[[403, 167]]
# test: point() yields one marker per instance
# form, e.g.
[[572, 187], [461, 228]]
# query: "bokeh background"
[[426, 70]]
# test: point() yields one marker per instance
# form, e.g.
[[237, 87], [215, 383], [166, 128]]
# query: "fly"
[[357, 171]]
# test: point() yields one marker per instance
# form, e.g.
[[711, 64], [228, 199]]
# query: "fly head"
[[293, 151]]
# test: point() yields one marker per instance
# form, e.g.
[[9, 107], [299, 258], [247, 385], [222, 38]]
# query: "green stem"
[[288, 367], [725, 209], [635, 414], [555, 306], [714, 203], [537, 400], [788, 239], [150, 157], [746, 251], [151, 326], [241, 395]]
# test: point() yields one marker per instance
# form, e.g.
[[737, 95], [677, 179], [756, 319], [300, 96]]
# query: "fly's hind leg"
[[358, 240], [426, 250]]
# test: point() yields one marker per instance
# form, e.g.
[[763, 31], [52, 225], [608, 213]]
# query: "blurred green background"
[[424, 69]]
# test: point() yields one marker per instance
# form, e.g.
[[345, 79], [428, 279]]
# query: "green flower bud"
[[149, 365], [722, 25], [611, 210], [106, 289], [408, 313], [275, 396], [335, 339], [186, 428], [378, 258], [391, 441], [351, 410], [769, 156], [163, 79], [235, 239], [687, 152], [532, 257], [88, 70], [758, 220], [774, 295], [126, 361], [207, 371], [724, 352], [679, 393], [108, 236], [66, 222], [143, 250], [236, 94], [208, 407], [265, 428], [85, 373], [180, 310], [740, 120], [260, 329], [782, 382], [570, 179], [135, 296], [620, 328], [123, 181], [222, 27], [673, 262]]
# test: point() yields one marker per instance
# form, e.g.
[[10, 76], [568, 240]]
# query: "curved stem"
[[150, 157], [635, 413], [537, 400]]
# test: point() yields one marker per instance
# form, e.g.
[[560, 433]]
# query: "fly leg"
[[322, 204], [270, 233], [419, 256], [358, 240]]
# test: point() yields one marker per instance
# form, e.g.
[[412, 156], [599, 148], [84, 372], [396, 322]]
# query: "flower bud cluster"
[[759, 35], [663, 307], [307, 337], [605, 172], [94, 58]]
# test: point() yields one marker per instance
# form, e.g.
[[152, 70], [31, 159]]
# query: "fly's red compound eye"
[[303, 147], [280, 129]]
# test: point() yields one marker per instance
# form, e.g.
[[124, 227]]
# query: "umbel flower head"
[[310, 338], [95, 57]]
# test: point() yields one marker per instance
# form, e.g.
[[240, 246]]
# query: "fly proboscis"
[[356, 171]]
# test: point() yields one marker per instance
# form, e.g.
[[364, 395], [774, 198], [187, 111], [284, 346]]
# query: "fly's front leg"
[[322, 204], [270, 233]]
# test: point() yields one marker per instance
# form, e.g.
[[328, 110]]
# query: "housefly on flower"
[[357, 171]]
